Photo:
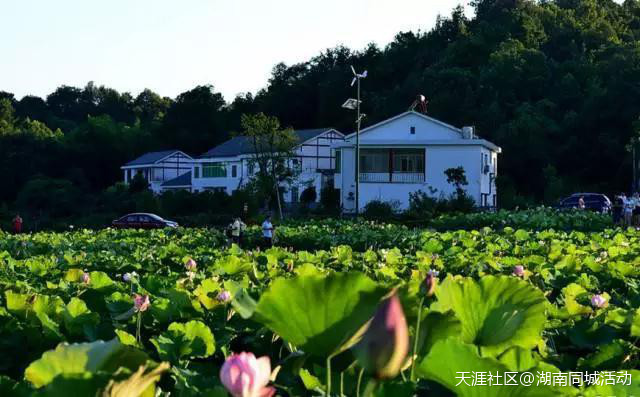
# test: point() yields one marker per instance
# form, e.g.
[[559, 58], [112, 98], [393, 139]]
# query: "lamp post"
[[354, 104]]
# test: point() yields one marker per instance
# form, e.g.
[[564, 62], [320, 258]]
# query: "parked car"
[[142, 221], [592, 201]]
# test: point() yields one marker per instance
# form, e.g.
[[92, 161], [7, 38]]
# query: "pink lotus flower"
[[518, 271], [599, 301], [244, 375], [385, 344], [86, 278], [429, 283], [191, 265], [141, 303], [223, 296]]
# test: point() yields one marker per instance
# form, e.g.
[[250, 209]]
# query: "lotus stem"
[[415, 340], [359, 382], [328, 376], [341, 383]]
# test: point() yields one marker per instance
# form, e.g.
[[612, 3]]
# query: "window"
[[196, 172], [132, 218], [294, 194], [413, 130], [338, 160], [408, 160], [234, 171], [374, 160], [214, 170]]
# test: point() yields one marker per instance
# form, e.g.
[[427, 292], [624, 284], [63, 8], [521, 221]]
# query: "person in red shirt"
[[17, 224]]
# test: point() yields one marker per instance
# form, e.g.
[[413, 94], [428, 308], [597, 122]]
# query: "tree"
[[308, 195], [457, 178], [272, 149]]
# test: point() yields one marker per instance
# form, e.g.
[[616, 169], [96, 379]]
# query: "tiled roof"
[[151, 157], [182, 180], [242, 145]]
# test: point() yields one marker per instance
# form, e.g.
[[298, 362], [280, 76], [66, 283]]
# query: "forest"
[[555, 83]]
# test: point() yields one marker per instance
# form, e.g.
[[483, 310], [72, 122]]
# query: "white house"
[[410, 152], [229, 166], [159, 168]]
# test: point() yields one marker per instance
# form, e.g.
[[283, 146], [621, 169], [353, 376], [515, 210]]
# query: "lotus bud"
[[141, 303], [86, 278], [190, 265], [244, 375], [599, 301], [518, 271], [223, 296], [384, 346], [428, 286]]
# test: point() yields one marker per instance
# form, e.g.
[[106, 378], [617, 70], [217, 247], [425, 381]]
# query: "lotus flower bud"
[[518, 271], [428, 286], [86, 278], [141, 303], [191, 265], [599, 301], [244, 375], [223, 296], [385, 343]]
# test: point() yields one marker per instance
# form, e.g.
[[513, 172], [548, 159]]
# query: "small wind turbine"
[[354, 104]]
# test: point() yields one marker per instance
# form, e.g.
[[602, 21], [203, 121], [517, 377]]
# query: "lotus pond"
[[338, 308]]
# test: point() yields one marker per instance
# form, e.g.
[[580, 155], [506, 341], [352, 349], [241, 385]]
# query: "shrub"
[[378, 209], [330, 199], [308, 196]]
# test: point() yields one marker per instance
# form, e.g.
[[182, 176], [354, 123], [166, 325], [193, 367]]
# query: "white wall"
[[400, 129]]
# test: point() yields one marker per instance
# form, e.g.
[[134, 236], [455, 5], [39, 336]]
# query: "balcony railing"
[[395, 177]]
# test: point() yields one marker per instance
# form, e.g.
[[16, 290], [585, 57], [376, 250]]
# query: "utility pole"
[[354, 104], [358, 153]]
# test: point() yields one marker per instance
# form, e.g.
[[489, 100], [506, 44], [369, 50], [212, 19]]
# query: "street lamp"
[[354, 104]]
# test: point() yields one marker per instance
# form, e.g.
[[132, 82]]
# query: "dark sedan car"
[[142, 221], [592, 201]]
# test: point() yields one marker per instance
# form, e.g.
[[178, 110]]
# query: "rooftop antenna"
[[354, 104], [421, 103]]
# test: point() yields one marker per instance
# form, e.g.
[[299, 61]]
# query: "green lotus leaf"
[[78, 319], [495, 312], [77, 359], [572, 293], [635, 324], [319, 313], [617, 390], [192, 339], [453, 364]]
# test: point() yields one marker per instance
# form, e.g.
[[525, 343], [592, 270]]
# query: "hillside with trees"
[[555, 83]]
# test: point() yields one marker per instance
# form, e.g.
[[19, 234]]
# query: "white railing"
[[396, 177]]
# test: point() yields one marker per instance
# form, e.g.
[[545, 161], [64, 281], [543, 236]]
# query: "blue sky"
[[171, 46]]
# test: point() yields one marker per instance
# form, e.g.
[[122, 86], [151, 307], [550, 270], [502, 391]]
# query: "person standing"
[[237, 229], [618, 207], [581, 204], [267, 232], [627, 213], [17, 224]]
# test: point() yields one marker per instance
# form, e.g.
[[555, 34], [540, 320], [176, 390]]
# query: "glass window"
[[374, 160], [338, 160], [196, 172], [214, 170], [234, 171], [408, 160], [132, 218]]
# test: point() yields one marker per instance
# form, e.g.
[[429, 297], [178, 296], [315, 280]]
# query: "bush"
[[421, 206], [378, 209], [308, 196], [330, 199]]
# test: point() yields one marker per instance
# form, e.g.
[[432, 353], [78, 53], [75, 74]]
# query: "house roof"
[[182, 180], [242, 145], [151, 157], [424, 116]]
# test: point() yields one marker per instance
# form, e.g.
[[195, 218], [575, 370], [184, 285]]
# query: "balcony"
[[396, 177]]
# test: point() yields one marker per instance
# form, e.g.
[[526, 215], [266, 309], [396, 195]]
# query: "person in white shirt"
[[237, 230], [267, 232], [628, 206]]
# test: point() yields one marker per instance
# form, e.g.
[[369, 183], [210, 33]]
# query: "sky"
[[172, 46]]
